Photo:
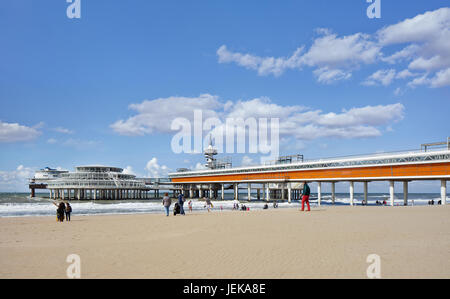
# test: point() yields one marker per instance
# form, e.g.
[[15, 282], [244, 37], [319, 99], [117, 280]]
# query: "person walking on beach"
[[305, 198], [166, 203], [181, 201], [208, 204], [236, 204], [190, 205], [68, 211]]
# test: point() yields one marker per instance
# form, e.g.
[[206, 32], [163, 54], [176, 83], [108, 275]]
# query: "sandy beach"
[[328, 242]]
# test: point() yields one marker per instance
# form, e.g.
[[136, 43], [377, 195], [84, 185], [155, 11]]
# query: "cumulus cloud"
[[263, 65], [14, 132], [426, 48], [429, 49], [441, 79], [128, 170], [301, 122], [346, 51], [384, 77], [154, 170], [16, 180], [157, 115], [332, 55]]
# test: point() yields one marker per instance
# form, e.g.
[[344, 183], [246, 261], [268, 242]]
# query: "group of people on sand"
[[63, 209], [379, 203], [179, 204], [431, 202]]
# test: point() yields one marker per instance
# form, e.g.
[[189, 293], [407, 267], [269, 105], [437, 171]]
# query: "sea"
[[21, 205]]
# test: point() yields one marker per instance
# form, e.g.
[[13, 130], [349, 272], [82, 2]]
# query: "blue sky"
[[64, 82]]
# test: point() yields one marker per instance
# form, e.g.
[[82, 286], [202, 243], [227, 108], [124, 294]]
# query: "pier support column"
[[200, 192], [222, 191], [352, 193], [191, 192], [365, 193], [444, 192], [249, 191], [333, 192], [211, 193], [289, 193], [319, 193], [267, 192], [391, 192], [236, 191], [405, 193]]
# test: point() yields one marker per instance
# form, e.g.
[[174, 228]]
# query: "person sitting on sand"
[[68, 211], [266, 206], [166, 203], [275, 204]]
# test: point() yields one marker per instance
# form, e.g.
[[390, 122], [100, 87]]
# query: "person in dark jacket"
[[61, 208], [305, 198], [68, 211], [181, 201]]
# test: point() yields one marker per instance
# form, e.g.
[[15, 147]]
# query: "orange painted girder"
[[431, 169]]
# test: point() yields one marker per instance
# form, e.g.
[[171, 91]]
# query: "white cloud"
[[157, 115], [426, 47], [441, 79], [298, 121], [404, 54], [330, 53], [14, 132], [263, 65], [128, 170], [347, 51], [405, 74], [429, 35], [63, 130], [384, 77], [247, 161], [16, 180], [398, 91], [423, 80], [52, 141], [328, 76], [423, 27], [155, 170]]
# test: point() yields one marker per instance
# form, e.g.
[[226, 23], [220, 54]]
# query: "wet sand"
[[328, 242]]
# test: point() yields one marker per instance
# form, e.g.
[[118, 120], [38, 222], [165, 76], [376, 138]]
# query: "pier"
[[96, 182], [284, 181]]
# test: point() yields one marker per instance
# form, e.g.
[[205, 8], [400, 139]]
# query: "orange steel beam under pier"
[[398, 172]]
